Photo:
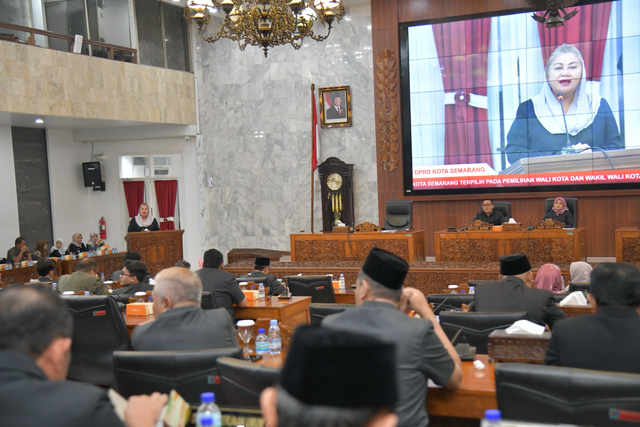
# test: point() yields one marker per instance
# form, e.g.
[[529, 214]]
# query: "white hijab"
[[142, 223], [581, 113]]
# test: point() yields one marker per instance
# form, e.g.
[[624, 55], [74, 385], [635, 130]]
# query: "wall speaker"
[[92, 175]]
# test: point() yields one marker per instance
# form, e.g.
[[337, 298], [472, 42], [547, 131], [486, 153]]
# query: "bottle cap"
[[86, 292], [206, 420], [253, 287], [207, 397], [261, 331], [462, 291], [274, 322], [492, 415]]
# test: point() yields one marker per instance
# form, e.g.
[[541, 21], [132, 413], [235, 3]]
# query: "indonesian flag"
[[315, 141]]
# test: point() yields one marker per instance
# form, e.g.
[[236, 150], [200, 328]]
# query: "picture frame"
[[335, 106]]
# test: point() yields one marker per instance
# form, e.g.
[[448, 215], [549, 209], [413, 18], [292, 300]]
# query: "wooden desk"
[[627, 244], [107, 264], [345, 296], [133, 321], [408, 245], [24, 274], [289, 312], [504, 347], [576, 310], [556, 246]]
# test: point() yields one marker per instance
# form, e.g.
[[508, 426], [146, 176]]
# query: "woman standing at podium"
[[144, 221]]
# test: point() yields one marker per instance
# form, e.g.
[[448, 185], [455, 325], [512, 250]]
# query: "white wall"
[[9, 224], [78, 209]]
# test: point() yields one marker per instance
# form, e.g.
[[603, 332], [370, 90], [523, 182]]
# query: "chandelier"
[[265, 23]]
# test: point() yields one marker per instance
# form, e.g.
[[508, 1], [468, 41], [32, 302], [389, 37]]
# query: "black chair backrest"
[[242, 381], [123, 298], [398, 214], [584, 287], [557, 395], [572, 205], [317, 312], [559, 297], [190, 373], [475, 283], [504, 207], [476, 326], [207, 302], [319, 288], [446, 302], [98, 330]]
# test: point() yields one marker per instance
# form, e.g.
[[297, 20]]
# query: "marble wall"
[[255, 115]]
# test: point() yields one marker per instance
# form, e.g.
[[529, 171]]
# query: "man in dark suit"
[[133, 278], [336, 111], [488, 214], [260, 274], [516, 292], [35, 350], [221, 284], [608, 340], [85, 279], [180, 322]]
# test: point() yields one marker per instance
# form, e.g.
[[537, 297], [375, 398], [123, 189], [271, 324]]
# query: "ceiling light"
[[39, 121]]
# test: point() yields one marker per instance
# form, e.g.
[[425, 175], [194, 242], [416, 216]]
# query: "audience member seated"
[[182, 263], [608, 340], [35, 349], [488, 214], [560, 212], [422, 348], [130, 255], [133, 278], [45, 268], [515, 292], [222, 285], [320, 387], [20, 252], [41, 250], [180, 322], [580, 272], [58, 250], [549, 277], [144, 221], [85, 279], [94, 243], [76, 246], [261, 274]]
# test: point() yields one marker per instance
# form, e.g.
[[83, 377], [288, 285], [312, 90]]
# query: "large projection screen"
[[481, 113]]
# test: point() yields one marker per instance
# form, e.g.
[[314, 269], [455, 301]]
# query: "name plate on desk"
[[509, 226]]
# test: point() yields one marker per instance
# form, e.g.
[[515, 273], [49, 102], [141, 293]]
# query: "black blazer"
[[75, 249], [511, 294], [565, 217], [134, 227], [132, 289]]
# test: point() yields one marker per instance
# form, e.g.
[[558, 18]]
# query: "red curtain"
[[591, 23], [463, 53], [134, 194], [166, 192]]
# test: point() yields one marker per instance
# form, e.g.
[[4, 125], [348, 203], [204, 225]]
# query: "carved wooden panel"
[[468, 250], [397, 247], [319, 250], [630, 249], [387, 110], [545, 250], [159, 253], [518, 350]]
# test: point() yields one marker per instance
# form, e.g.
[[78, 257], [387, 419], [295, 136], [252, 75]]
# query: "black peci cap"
[[262, 261], [386, 268], [512, 265]]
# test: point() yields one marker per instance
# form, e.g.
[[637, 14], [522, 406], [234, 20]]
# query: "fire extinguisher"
[[103, 228]]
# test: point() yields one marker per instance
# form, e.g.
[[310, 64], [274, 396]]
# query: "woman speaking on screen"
[[539, 128]]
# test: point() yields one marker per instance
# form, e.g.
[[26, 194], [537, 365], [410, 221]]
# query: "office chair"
[[398, 214], [319, 288], [572, 205], [504, 208], [559, 395], [206, 301], [584, 287], [446, 302], [243, 381], [317, 312]]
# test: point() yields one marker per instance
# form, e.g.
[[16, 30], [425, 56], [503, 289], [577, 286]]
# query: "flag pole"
[[313, 133]]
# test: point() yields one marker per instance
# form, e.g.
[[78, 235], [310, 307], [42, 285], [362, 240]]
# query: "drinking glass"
[[245, 332]]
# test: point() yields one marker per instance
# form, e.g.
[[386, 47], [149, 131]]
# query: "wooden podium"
[[158, 249]]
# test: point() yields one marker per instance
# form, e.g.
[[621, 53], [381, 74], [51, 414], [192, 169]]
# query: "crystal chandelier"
[[266, 23]]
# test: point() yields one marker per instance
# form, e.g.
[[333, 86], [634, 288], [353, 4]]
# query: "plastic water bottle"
[[206, 421], [341, 281], [208, 409], [492, 418], [261, 292], [275, 343], [102, 277], [262, 342], [55, 286], [472, 290]]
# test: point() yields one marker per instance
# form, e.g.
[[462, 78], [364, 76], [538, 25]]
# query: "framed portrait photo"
[[335, 103]]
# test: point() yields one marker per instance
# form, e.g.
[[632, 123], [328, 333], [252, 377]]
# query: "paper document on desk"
[[525, 327], [574, 298]]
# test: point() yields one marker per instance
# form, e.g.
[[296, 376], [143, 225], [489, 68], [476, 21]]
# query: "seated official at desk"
[[489, 215], [560, 212], [20, 252], [85, 279], [134, 278], [144, 221], [76, 246]]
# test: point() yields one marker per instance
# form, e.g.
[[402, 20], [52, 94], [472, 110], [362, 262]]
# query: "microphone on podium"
[[566, 129]]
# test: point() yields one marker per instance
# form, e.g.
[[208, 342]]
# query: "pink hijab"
[[549, 277], [564, 206]]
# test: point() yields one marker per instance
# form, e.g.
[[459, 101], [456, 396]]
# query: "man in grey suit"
[[221, 284], [180, 322], [85, 279], [516, 292], [422, 348]]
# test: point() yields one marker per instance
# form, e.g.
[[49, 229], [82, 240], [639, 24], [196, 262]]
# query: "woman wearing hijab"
[[539, 128], [560, 212], [580, 272], [143, 221], [58, 251], [76, 245], [94, 242], [549, 277], [41, 251]]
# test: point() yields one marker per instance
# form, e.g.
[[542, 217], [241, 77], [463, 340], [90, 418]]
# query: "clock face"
[[334, 182]]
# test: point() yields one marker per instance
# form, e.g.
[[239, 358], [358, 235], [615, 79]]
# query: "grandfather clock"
[[336, 179]]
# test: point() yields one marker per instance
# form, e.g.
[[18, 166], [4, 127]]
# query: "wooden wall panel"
[[600, 212]]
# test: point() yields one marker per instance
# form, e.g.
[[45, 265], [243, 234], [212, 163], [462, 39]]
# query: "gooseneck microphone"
[[566, 129]]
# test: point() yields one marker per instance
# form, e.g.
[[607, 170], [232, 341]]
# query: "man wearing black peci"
[[260, 274], [490, 215]]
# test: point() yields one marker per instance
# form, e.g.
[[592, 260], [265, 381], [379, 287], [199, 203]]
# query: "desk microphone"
[[566, 129]]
